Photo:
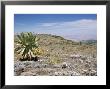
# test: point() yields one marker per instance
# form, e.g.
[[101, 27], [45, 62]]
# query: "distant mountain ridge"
[[89, 41], [55, 37]]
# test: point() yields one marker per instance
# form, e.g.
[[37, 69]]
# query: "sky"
[[69, 26]]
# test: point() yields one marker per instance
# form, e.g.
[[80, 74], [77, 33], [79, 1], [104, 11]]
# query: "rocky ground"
[[74, 65], [59, 57]]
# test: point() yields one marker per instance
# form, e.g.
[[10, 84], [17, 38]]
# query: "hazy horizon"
[[70, 26]]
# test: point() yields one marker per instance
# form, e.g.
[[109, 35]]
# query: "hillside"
[[59, 46], [62, 57]]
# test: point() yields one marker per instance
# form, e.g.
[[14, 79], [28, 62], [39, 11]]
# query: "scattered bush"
[[38, 51], [54, 60]]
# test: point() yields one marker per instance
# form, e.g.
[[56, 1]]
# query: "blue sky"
[[70, 26]]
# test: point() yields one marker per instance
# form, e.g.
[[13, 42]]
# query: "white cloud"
[[79, 29], [84, 23]]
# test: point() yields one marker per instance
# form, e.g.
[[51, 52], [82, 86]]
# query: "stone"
[[18, 71], [28, 74], [64, 65], [75, 56], [57, 66]]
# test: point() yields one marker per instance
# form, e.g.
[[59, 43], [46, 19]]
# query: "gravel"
[[83, 66]]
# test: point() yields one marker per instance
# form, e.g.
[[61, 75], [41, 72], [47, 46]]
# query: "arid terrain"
[[59, 57]]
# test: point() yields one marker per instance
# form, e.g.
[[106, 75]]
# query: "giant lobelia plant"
[[26, 42]]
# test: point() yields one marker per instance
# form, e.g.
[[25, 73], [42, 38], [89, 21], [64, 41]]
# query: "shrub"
[[25, 43], [38, 51], [54, 60]]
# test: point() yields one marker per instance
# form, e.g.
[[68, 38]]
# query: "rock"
[[28, 74], [64, 65], [40, 60], [75, 74], [58, 74], [57, 66], [44, 65], [87, 65], [18, 71], [83, 58], [36, 65], [20, 67], [66, 73], [71, 73], [93, 73], [75, 56]]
